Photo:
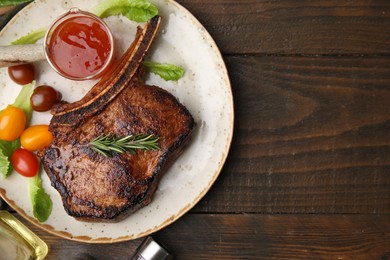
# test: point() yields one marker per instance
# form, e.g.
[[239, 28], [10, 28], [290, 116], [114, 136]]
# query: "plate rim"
[[86, 239]]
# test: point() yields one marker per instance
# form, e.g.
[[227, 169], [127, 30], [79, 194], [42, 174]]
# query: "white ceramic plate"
[[204, 90]]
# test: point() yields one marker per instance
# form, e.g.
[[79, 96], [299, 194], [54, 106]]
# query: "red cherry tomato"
[[24, 162], [44, 97], [22, 74]]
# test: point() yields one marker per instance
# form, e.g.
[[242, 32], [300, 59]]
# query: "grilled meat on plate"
[[97, 187]]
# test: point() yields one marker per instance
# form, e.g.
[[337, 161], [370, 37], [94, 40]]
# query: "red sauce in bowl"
[[79, 45]]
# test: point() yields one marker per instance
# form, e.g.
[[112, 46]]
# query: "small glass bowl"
[[76, 13]]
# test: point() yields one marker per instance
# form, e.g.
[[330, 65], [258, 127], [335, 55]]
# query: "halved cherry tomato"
[[22, 74], [24, 162], [12, 123], [36, 137]]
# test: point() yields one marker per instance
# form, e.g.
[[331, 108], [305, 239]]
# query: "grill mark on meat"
[[94, 187]]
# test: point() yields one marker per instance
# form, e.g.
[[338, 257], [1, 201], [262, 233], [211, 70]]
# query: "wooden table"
[[308, 173]]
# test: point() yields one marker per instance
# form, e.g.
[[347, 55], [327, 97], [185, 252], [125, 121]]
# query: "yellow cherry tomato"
[[36, 137], [12, 123]]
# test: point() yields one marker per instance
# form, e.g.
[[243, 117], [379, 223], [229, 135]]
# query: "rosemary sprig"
[[109, 144]]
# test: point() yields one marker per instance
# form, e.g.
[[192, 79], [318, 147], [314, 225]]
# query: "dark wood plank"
[[296, 27], [6, 9], [246, 236], [279, 237], [312, 135]]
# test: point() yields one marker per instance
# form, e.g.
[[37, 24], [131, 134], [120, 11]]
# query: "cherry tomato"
[[12, 123], [22, 74], [24, 162], [36, 137], [44, 97]]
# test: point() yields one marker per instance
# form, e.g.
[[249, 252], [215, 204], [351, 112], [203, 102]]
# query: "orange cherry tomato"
[[36, 137], [24, 162], [12, 123]]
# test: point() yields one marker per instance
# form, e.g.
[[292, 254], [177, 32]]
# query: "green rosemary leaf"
[[109, 144]]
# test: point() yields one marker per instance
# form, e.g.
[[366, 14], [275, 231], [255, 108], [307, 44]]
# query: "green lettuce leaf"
[[12, 2], [40, 200], [6, 149], [32, 37], [5, 165], [135, 10], [22, 101], [165, 71]]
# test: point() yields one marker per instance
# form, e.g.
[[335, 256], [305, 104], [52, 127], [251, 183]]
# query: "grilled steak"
[[95, 187]]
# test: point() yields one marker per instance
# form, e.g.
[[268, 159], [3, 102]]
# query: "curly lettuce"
[[135, 10], [12, 2], [6, 149]]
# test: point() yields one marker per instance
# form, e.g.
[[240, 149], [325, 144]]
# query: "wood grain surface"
[[250, 236], [308, 173], [312, 135], [296, 27]]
